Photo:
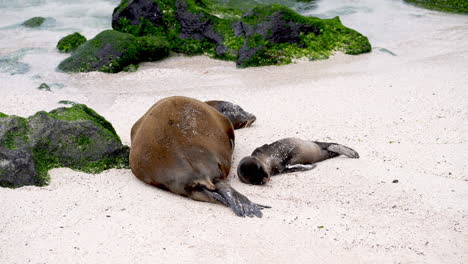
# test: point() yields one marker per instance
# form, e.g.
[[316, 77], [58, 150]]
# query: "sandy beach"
[[406, 115]]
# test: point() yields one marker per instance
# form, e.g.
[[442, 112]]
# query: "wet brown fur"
[[182, 145]]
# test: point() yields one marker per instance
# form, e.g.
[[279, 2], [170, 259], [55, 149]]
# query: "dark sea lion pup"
[[238, 116], [185, 146], [287, 155]]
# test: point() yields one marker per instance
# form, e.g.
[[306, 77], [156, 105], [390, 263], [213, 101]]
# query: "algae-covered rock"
[[456, 6], [75, 137], [111, 51], [34, 22], [71, 42], [44, 87], [275, 34], [271, 34]]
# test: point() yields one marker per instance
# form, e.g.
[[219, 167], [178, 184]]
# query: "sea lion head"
[[251, 170], [238, 116]]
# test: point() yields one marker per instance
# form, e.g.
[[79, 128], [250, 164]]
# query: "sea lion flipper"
[[299, 167], [216, 196], [240, 204], [343, 150]]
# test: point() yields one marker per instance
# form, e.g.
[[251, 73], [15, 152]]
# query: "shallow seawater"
[[28, 56]]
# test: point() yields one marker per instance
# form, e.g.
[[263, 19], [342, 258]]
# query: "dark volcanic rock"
[[198, 27], [136, 9], [75, 137]]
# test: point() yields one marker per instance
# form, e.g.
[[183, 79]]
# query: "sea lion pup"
[[185, 146], [238, 116], [287, 155]]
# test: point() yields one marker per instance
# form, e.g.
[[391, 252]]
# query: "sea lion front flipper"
[[299, 167], [343, 150]]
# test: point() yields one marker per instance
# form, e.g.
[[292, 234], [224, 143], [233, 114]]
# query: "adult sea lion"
[[185, 146], [287, 155], [238, 116]]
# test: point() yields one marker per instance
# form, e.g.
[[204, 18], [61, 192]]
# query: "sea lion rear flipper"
[[240, 204], [343, 150]]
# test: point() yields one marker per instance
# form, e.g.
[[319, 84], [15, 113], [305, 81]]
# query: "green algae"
[[131, 68], [70, 42], [247, 5], [80, 112], [34, 22], [152, 48], [454, 6], [17, 136]]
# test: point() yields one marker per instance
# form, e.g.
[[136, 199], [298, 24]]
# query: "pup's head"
[[252, 171]]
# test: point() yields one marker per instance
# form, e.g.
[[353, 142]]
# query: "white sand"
[[406, 115]]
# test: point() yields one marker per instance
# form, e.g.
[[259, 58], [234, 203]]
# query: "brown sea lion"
[[238, 116], [185, 146], [287, 155]]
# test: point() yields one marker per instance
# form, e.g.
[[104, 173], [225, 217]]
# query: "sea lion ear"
[[231, 140]]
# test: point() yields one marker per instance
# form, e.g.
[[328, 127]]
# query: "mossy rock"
[[278, 35], [112, 51], [272, 34], [75, 137], [34, 22], [190, 26], [71, 42], [455, 6], [44, 87]]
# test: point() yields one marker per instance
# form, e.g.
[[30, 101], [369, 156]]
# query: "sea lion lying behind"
[[185, 146], [287, 155], [238, 116]]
